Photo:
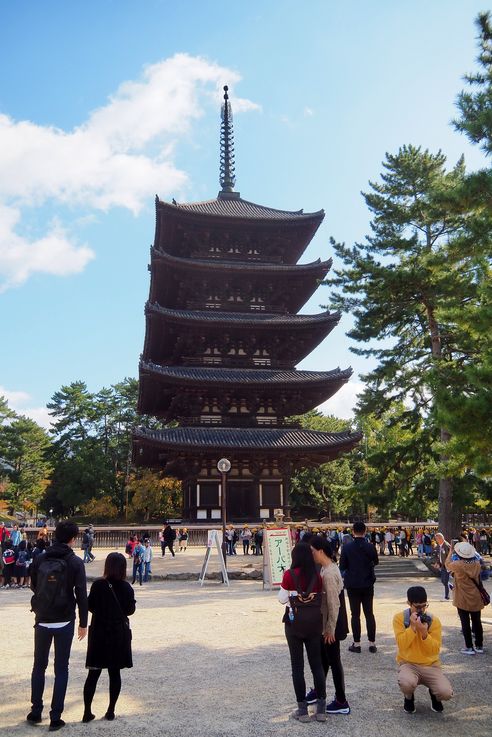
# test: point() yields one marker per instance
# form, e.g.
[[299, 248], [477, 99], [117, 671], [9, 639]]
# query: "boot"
[[301, 713], [321, 710]]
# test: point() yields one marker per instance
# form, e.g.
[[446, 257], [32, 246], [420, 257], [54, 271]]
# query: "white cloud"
[[119, 157], [18, 400], [308, 112], [51, 254], [343, 403]]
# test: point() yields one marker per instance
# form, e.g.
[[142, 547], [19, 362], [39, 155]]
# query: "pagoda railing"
[[235, 362], [235, 307]]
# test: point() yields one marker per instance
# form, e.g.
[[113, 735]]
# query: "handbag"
[[483, 592], [125, 620]]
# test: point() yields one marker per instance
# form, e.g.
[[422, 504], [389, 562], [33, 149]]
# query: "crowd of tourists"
[[313, 590], [402, 541], [315, 617], [250, 537]]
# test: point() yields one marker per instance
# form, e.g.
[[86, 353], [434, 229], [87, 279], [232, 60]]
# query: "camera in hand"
[[424, 618]]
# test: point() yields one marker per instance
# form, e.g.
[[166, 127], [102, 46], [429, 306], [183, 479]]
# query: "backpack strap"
[[309, 589]]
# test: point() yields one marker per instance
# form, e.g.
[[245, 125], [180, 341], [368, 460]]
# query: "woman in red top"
[[302, 574]]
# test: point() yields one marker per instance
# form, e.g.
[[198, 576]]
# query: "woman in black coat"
[[111, 601]]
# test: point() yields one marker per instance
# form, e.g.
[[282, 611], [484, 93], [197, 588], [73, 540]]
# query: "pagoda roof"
[[318, 267], [216, 318], [236, 207], [159, 386], [250, 377], [306, 445]]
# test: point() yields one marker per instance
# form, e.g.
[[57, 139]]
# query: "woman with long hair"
[[335, 625], [464, 563], [111, 601], [301, 589]]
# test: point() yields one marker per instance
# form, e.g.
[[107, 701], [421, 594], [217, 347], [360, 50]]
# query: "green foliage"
[[27, 454], [397, 463], [475, 103], [329, 488], [24, 466], [405, 285], [465, 396], [91, 450]]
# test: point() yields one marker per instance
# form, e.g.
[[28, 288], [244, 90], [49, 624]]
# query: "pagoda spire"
[[227, 167]]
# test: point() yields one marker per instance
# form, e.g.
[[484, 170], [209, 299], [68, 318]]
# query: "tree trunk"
[[449, 513], [449, 516]]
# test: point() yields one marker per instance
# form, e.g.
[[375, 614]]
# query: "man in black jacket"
[[59, 584], [357, 563]]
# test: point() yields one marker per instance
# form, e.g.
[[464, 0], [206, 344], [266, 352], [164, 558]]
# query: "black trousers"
[[365, 597], [330, 658], [313, 650], [43, 637], [476, 627], [168, 544]]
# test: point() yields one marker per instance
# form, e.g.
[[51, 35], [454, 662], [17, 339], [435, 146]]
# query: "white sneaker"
[[479, 650], [468, 651]]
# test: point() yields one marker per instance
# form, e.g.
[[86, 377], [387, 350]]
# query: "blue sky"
[[103, 104]]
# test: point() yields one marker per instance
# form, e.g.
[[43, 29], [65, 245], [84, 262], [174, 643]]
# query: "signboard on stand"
[[214, 539], [276, 556]]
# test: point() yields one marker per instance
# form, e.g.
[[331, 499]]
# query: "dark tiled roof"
[[254, 266], [246, 376], [244, 318], [236, 207], [222, 439]]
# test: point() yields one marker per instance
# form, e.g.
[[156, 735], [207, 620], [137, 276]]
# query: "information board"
[[277, 556], [214, 539]]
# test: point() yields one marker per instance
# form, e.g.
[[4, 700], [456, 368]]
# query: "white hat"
[[465, 550]]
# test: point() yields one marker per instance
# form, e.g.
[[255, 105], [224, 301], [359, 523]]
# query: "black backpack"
[[51, 599], [305, 607]]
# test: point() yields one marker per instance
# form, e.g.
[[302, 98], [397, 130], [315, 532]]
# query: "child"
[[147, 560], [22, 564], [8, 559], [138, 553], [183, 539]]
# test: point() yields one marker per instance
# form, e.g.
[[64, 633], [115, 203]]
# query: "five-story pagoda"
[[222, 341]]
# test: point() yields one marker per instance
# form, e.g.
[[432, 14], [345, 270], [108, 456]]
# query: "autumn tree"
[[154, 495]]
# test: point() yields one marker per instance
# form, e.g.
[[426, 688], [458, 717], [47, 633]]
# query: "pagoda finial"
[[227, 168]]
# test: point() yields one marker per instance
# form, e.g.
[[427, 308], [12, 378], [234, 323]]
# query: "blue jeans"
[[43, 637], [137, 569], [147, 571]]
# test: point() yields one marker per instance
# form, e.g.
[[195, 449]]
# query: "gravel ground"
[[212, 661]]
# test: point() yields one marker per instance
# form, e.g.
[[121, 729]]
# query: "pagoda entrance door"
[[242, 503]]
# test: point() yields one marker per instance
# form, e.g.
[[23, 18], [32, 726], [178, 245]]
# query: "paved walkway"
[[213, 662]]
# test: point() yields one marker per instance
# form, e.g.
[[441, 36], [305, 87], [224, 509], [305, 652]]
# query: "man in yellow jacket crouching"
[[418, 638]]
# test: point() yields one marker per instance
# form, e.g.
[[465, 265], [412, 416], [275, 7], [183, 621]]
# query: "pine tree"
[[465, 398], [400, 286]]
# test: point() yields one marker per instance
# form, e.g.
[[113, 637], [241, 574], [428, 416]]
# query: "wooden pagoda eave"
[[300, 227], [235, 210], [303, 447], [239, 320], [295, 335], [260, 269], [158, 386]]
